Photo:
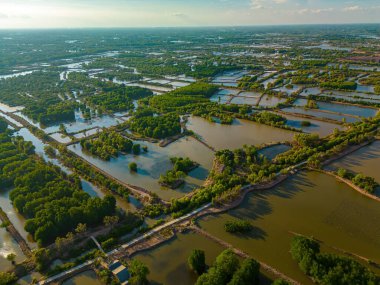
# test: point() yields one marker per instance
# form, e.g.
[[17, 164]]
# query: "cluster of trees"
[[121, 75], [152, 66], [3, 125], [209, 70], [157, 127], [83, 169], [191, 95], [52, 201], [51, 114], [250, 83], [304, 80], [139, 273], [108, 144], [117, 99], [326, 268], [226, 270], [311, 104], [239, 226], [223, 114], [346, 85], [40, 93], [7, 278], [269, 118], [369, 184], [181, 167]]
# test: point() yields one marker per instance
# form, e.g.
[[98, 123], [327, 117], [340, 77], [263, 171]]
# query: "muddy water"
[[168, 262], [85, 278], [156, 162], [366, 160], [236, 135], [17, 220], [321, 128], [311, 204]]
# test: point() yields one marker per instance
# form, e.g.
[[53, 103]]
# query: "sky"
[[178, 13]]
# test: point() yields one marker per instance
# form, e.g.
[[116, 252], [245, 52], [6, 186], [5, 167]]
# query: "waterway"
[[312, 204]]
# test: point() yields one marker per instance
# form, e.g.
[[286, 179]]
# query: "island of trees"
[[327, 268], [108, 144], [181, 167]]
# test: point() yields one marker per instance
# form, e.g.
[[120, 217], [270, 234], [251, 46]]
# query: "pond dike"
[[15, 234]]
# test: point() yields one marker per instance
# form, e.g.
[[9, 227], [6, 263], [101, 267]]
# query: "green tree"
[[139, 272], [133, 166], [7, 278], [136, 149], [110, 221], [197, 261], [11, 257], [342, 172], [81, 228], [247, 274]]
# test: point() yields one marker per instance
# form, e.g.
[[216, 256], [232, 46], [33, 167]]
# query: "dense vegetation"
[[227, 270], [326, 268], [237, 226], [119, 99], [269, 118], [185, 98], [108, 144], [7, 278], [339, 85], [158, 127], [197, 261], [181, 167], [369, 184], [52, 202]]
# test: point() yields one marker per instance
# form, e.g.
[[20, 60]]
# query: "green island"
[[181, 167]]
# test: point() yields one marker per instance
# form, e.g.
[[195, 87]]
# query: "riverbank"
[[349, 183]]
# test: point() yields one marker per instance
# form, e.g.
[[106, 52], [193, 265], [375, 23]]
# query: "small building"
[[120, 271]]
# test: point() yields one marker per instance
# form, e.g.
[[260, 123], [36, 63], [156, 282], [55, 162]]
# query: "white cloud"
[[352, 8], [265, 4], [315, 11]]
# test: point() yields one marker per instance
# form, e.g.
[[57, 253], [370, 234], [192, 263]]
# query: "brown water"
[[17, 220], [323, 129], [8, 246], [311, 204], [84, 278], [366, 160], [236, 135], [168, 262]]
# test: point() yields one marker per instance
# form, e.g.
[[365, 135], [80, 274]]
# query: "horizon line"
[[187, 27]]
